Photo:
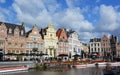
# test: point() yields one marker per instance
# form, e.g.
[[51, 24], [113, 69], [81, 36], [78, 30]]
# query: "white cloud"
[[74, 19], [43, 12], [32, 12], [86, 36], [109, 18], [2, 1]]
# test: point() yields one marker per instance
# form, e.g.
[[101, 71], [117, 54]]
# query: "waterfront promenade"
[[30, 64]]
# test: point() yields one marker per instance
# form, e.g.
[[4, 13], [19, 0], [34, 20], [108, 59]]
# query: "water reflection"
[[83, 71]]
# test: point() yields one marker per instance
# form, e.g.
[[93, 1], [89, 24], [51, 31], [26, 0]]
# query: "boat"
[[79, 66], [111, 71], [13, 69]]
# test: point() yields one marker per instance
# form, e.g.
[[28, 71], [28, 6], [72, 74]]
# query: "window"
[[9, 43], [17, 51], [9, 51], [92, 49], [27, 51], [91, 44], [16, 44], [98, 49], [98, 44], [10, 30], [95, 49], [1, 43], [22, 32], [21, 51], [13, 51], [21, 45], [46, 51], [95, 44], [50, 51]]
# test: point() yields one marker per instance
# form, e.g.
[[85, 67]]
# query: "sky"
[[89, 18]]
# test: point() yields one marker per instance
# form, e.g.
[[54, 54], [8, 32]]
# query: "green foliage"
[[40, 67]]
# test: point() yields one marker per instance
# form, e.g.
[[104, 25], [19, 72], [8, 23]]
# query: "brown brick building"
[[105, 45]]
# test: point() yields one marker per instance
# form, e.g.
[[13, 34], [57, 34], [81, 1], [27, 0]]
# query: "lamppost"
[[4, 48]]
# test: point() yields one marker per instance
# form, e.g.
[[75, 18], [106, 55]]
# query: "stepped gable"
[[13, 26]]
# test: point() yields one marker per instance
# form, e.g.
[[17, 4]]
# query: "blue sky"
[[90, 18]]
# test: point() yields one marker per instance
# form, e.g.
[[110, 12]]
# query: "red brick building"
[[62, 42], [12, 40]]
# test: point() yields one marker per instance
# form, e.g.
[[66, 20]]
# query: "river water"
[[83, 71]]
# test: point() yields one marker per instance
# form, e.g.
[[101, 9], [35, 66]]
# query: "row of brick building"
[[15, 42], [105, 46]]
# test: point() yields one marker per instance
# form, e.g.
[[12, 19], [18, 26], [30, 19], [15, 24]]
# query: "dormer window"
[[22, 32], [10, 30]]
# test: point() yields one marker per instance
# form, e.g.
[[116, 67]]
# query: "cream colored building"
[[50, 39]]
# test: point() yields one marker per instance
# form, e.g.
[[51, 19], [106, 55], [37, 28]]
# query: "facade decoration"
[[50, 40], [34, 44], [75, 45]]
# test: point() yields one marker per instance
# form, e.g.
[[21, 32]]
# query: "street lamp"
[[4, 48]]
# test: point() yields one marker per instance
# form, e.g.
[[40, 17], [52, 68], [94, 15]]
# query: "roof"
[[28, 32], [58, 33], [13, 26], [70, 32], [95, 40], [43, 32]]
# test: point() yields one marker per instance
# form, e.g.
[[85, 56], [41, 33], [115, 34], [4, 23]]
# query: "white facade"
[[75, 45], [95, 45]]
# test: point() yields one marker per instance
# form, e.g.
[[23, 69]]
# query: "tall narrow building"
[[105, 45], [95, 46], [34, 43], [75, 45], [113, 45], [50, 39], [62, 42]]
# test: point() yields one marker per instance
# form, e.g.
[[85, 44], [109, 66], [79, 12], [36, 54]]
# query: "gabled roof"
[[58, 33], [63, 38], [13, 26]]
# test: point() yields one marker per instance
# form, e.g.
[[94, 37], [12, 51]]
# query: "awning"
[[76, 55], [62, 55]]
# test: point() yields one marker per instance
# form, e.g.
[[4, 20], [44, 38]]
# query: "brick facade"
[[34, 43], [14, 40], [62, 42], [105, 45]]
